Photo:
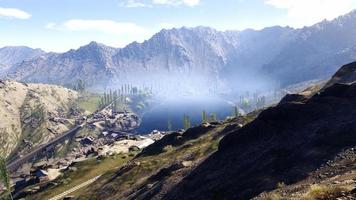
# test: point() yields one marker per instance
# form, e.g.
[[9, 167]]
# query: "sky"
[[58, 26]]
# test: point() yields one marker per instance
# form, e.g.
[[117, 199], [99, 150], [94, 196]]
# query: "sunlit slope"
[[25, 112]]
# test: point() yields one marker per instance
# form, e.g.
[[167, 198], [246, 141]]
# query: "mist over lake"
[[173, 109]]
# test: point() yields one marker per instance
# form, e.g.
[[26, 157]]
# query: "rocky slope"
[[285, 144], [316, 51], [32, 114], [208, 55]]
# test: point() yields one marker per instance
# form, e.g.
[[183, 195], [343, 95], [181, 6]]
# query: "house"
[[41, 175], [105, 133], [87, 140]]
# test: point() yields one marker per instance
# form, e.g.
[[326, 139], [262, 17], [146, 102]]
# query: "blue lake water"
[[156, 118]]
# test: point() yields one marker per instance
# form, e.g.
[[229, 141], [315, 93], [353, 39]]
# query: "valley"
[[178, 113]]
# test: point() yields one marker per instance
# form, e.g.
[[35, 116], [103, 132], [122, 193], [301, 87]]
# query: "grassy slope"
[[146, 169], [85, 171], [89, 102]]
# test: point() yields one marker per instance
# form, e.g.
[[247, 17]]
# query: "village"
[[114, 135]]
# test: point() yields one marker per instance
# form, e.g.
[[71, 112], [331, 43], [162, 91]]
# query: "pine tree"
[[236, 112], [169, 125], [213, 117], [204, 117], [186, 122], [80, 86], [105, 100]]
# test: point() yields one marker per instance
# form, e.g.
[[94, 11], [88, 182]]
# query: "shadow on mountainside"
[[284, 144]]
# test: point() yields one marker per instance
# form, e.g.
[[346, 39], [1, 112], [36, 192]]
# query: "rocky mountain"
[[316, 51], [272, 55], [16, 54], [175, 54], [90, 63], [32, 114]]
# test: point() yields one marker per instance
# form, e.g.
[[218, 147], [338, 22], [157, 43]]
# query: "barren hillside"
[[32, 114]]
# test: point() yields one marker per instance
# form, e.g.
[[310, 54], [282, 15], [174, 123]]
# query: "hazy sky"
[[58, 25]]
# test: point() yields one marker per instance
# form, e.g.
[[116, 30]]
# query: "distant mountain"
[[16, 54], [176, 54], [90, 63], [203, 56], [316, 51]]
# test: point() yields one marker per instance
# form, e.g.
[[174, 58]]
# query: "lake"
[[173, 110]]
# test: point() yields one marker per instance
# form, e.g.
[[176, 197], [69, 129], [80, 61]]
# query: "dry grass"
[[271, 196], [319, 192]]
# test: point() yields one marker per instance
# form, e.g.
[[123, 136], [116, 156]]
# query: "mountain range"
[[279, 55], [11, 55]]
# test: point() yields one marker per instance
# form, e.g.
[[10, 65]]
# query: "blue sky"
[[61, 25]]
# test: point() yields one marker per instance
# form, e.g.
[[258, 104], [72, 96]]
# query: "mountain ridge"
[[222, 57]]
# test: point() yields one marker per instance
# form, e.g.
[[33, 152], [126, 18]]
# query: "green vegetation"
[[89, 102], [193, 145], [149, 164], [204, 117], [81, 172], [236, 112], [123, 172], [5, 179], [186, 122], [213, 117], [79, 86]]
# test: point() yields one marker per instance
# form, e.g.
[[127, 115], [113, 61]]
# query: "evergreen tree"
[[80, 86], [204, 117], [169, 125], [186, 122], [105, 100], [236, 112], [213, 117]]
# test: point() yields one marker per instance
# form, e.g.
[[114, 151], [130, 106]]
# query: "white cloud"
[[103, 26], [308, 12], [14, 13], [190, 3], [109, 32], [150, 3], [134, 4]]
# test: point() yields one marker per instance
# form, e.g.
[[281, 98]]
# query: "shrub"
[[168, 148], [322, 192], [271, 196]]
